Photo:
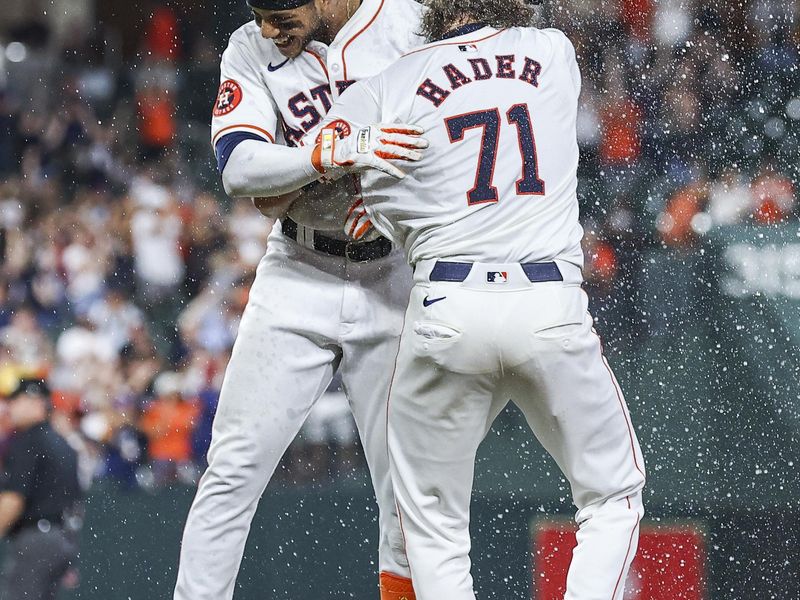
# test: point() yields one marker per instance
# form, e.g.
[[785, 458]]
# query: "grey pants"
[[35, 563]]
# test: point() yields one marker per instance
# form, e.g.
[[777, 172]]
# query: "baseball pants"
[[466, 349], [308, 315]]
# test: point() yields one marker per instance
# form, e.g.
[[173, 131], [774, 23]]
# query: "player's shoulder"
[[400, 23], [549, 38], [558, 38], [550, 45], [248, 44], [560, 45], [407, 9]]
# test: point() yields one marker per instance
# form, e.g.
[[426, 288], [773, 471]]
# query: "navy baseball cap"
[[277, 4], [36, 387]]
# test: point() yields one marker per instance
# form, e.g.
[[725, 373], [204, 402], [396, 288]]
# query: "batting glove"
[[357, 225], [338, 151]]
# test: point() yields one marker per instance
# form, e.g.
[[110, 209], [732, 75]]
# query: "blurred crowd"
[[125, 269]]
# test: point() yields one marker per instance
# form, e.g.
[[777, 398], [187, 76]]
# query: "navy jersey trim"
[[225, 145], [463, 30]]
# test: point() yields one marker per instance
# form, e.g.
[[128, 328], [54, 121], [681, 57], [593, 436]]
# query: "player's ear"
[[328, 7]]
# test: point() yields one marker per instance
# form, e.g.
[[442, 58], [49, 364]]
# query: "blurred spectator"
[[620, 144], [638, 17], [156, 229], [8, 128], [328, 440], [116, 318], [27, 344], [162, 38], [211, 320], [248, 234], [676, 223], [125, 449], [83, 262], [168, 422], [157, 125], [204, 236], [83, 355]]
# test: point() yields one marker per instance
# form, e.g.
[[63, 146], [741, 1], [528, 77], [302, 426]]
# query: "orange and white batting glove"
[[357, 225], [339, 150]]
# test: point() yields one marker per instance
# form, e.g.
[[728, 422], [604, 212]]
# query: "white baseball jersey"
[[351, 314], [498, 183], [263, 95], [496, 188]]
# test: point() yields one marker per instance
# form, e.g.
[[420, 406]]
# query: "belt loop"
[[305, 236]]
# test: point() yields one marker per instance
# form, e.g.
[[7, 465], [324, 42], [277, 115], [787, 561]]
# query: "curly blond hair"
[[443, 15]]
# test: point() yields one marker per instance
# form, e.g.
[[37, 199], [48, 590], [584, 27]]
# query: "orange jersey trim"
[[321, 62], [269, 136], [352, 39], [461, 43]]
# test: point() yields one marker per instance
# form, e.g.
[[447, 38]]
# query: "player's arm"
[[252, 165], [268, 171], [354, 139], [364, 102], [244, 128]]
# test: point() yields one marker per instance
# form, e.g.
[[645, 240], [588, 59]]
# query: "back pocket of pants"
[[426, 331], [560, 331]]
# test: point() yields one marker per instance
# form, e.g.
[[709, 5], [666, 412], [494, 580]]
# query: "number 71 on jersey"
[[490, 121]]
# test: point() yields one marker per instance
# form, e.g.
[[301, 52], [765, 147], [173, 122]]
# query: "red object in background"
[[604, 262], [620, 143], [638, 16], [163, 34], [681, 209], [773, 195], [68, 403], [157, 115], [669, 565]]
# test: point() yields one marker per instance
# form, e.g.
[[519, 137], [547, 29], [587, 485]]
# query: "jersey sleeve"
[[359, 105], [572, 64], [244, 104], [564, 54]]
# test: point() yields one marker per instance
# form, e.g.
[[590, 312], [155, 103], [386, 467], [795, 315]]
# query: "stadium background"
[[125, 270]]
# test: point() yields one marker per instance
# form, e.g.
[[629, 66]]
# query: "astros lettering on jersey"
[[265, 96], [311, 311]]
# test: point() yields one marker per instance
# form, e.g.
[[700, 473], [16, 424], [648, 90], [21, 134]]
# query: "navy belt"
[[355, 251], [458, 271]]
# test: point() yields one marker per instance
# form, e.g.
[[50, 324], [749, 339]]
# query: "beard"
[[297, 42]]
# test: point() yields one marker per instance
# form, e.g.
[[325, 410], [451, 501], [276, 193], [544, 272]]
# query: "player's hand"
[[340, 150], [357, 225]]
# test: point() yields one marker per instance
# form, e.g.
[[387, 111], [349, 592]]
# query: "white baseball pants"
[[308, 315], [475, 346]]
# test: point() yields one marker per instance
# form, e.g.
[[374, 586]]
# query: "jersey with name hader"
[[499, 181]]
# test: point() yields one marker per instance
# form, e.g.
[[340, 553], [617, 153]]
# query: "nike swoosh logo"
[[427, 302], [272, 69]]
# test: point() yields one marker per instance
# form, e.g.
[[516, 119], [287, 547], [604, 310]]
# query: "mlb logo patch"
[[497, 277], [468, 48]]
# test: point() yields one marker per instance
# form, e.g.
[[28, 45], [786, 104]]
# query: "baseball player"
[[319, 303], [489, 220]]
